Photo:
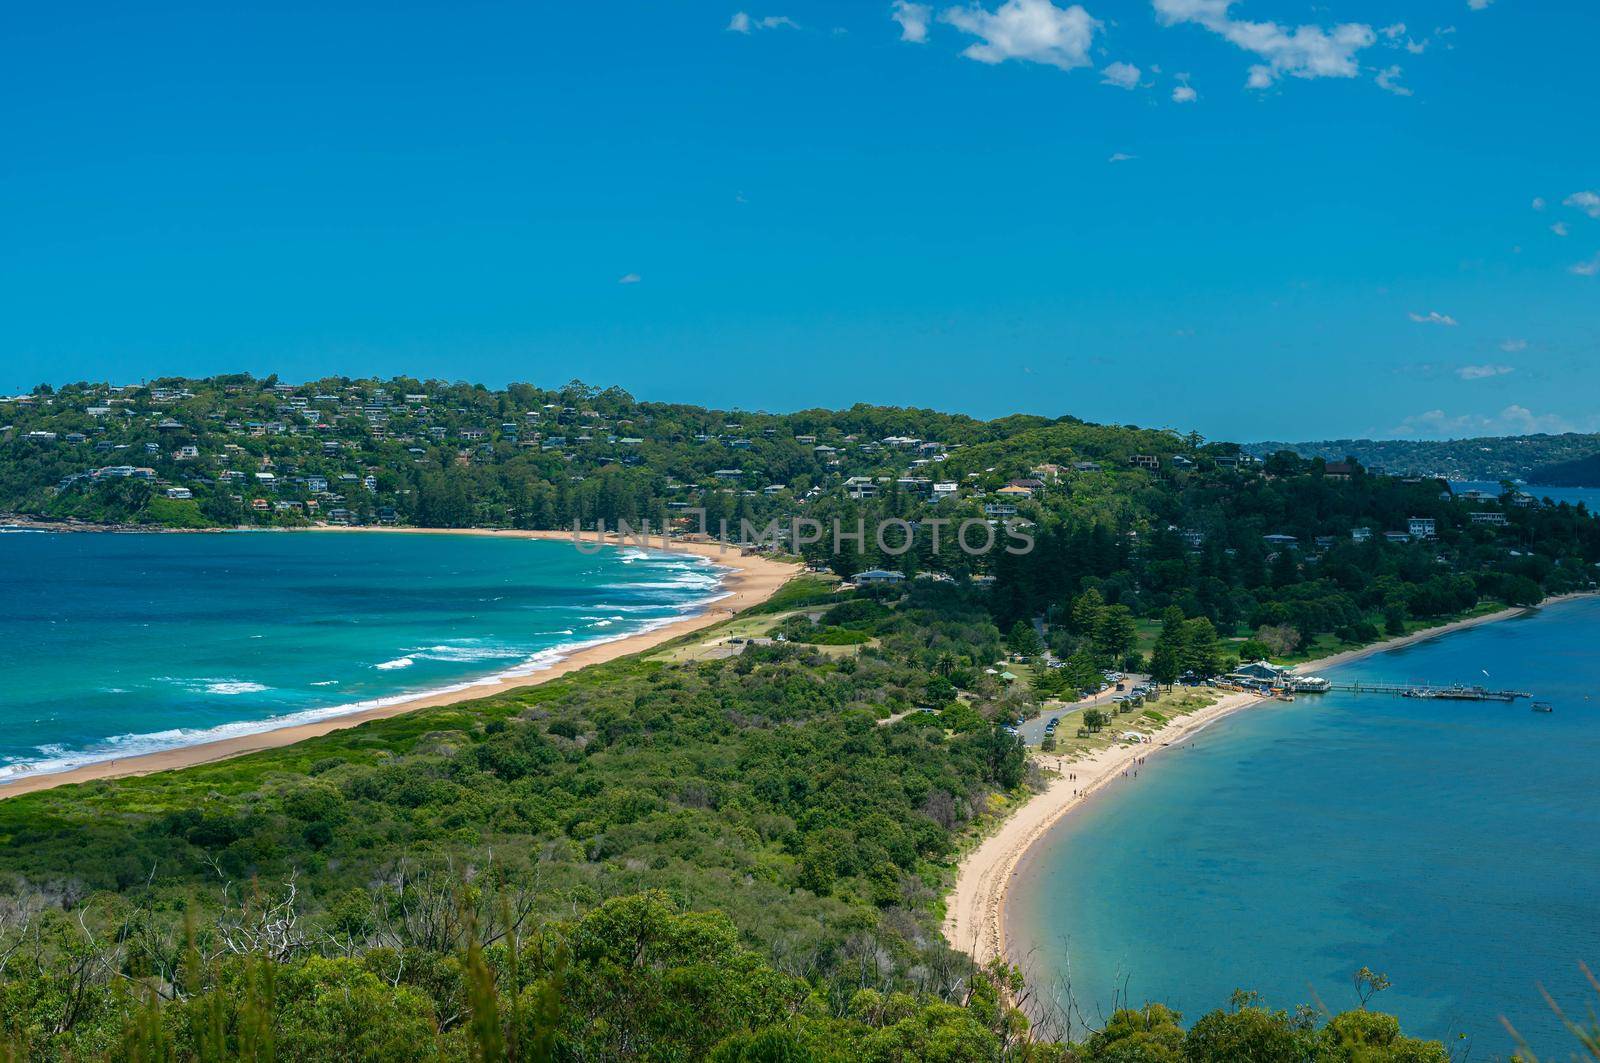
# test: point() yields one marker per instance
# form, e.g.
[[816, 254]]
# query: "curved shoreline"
[[975, 907], [748, 581]]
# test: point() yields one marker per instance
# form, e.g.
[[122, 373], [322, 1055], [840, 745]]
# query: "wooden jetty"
[[1434, 691]]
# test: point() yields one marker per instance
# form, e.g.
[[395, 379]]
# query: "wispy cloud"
[[1483, 372], [1122, 75], [1034, 31], [1433, 317], [1297, 51], [913, 19], [1395, 36], [1560, 228], [629, 278], [1512, 346], [1588, 202], [1478, 5], [1388, 80], [1588, 268], [1121, 156], [1539, 203], [742, 22], [1184, 92], [1513, 420]]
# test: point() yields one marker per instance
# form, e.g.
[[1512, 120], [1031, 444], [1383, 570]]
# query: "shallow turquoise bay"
[[112, 645], [1454, 846]]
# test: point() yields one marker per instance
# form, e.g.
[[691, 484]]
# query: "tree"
[[1116, 632], [1199, 647], [1094, 720], [1249, 1033], [1082, 673], [1368, 983], [1150, 1034], [1279, 639], [1023, 640], [1087, 609], [939, 691], [1253, 649]]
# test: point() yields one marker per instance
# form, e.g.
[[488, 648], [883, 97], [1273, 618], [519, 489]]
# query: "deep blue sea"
[[112, 645], [1453, 846]]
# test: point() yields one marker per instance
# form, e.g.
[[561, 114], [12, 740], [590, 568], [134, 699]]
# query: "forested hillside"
[[1581, 472], [1486, 458]]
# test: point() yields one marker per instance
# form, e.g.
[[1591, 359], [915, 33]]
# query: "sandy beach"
[[750, 580], [975, 908]]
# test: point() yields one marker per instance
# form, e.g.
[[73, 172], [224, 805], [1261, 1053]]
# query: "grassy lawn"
[[712, 642], [1150, 717]]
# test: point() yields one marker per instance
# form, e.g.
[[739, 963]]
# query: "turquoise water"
[[1453, 846], [112, 645]]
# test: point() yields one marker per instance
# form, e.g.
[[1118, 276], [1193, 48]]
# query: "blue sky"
[[1257, 219]]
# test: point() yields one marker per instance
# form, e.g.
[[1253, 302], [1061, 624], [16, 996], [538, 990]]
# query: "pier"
[[1435, 691]]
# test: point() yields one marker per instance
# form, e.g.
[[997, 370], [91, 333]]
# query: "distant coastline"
[[747, 581], [975, 919]]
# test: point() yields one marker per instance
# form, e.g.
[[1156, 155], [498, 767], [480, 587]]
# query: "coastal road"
[[1032, 731]]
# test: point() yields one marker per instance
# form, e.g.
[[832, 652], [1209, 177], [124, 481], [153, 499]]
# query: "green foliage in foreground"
[[634, 978]]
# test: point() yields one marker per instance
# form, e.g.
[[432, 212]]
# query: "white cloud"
[[1122, 156], [913, 19], [1588, 202], [741, 22], [1483, 372], [1513, 346], [1388, 81], [629, 278], [1539, 203], [1035, 31], [1433, 317], [1122, 75], [1184, 93], [1298, 51], [1478, 5], [1514, 420], [1588, 268], [1395, 36], [1560, 228]]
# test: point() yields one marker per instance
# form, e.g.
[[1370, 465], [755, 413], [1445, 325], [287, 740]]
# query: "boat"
[[1543, 706]]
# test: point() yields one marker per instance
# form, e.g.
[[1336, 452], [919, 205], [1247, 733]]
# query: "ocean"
[[1453, 846], [114, 645]]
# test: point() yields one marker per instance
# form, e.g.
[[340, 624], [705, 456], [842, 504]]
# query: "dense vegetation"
[[1484, 458], [1580, 472], [729, 858]]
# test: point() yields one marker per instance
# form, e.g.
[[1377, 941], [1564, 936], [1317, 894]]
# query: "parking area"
[[1033, 731]]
